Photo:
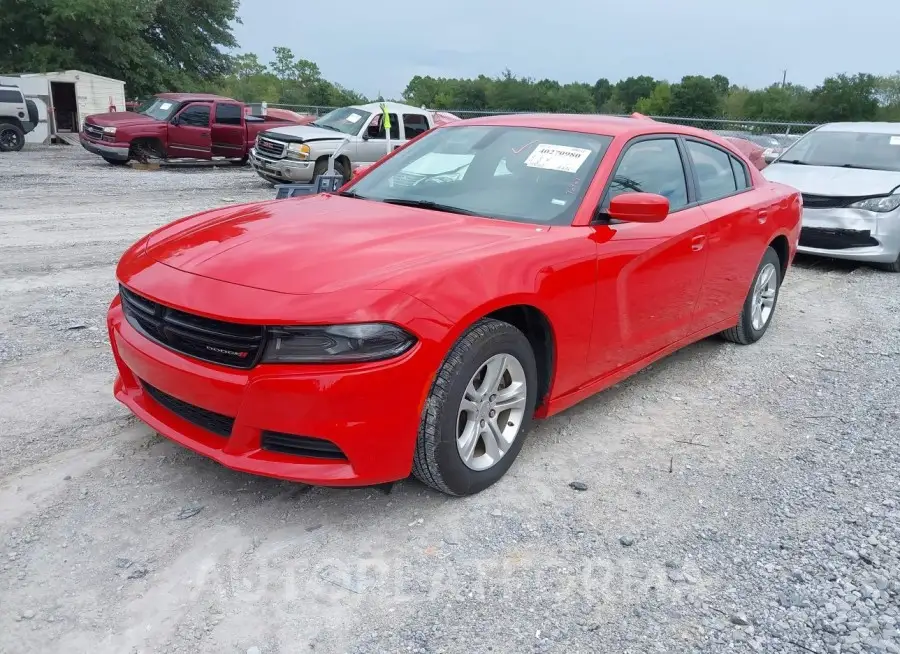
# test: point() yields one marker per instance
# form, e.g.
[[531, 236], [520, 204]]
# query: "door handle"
[[698, 242]]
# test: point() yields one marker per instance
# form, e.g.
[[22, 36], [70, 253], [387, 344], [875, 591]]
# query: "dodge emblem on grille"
[[241, 355]]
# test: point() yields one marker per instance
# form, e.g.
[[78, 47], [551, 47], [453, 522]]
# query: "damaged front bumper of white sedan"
[[850, 233]]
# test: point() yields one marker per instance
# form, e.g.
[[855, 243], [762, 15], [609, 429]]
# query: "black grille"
[[269, 147], [228, 344], [835, 239], [315, 448], [830, 201], [212, 422], [93, 131]]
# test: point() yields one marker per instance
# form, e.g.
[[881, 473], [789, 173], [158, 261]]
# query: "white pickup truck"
[[298, 154]]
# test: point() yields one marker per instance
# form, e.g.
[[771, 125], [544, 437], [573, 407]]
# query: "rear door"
[[189, 133], [229, 134], [649, 274], [738, 229], [413, 125]]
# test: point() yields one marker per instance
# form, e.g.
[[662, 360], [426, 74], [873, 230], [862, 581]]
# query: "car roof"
[[395, 107], [591, 124], [185, 97], [867, 128]]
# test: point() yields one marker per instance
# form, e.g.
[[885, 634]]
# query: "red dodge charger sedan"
[[488, 272]]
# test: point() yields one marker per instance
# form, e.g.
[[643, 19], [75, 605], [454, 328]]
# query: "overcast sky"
[[377, 46]]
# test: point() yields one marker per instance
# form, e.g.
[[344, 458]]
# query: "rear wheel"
[[12, 138], [759, 306], [479, 410]]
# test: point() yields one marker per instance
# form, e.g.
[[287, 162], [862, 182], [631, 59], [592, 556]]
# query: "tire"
[[115, 162], [321, 168], [745, 333], [240, 162], [12, 138], [437, 461], [891, 267]]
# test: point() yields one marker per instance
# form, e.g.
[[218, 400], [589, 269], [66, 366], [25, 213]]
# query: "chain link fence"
[[720, 125]]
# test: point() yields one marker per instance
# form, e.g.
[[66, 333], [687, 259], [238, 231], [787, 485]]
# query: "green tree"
[[659, 103], [845, 97], [629, 91], [152, 45], [603, 92], [887, 90], [695, 97]]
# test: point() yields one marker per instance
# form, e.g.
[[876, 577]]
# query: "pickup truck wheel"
[[12, 138], [240, 162], [479, 410], [321, 168]]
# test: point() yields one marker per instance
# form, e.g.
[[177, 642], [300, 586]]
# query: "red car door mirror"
[[639, 208]]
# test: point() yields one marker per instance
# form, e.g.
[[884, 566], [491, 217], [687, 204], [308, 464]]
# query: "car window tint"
[[740, 174], [196, 115], [715, 176], [414, 124], [652, 166], [228, 114]]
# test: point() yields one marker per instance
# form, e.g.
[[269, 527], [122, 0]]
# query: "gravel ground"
[[737, 498]]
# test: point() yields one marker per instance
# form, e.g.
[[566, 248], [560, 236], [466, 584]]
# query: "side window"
[[10, 95], [228, 114], [413, 125], [376, 129], [196, 115], [715, 176], [740, 174], [652, 166]]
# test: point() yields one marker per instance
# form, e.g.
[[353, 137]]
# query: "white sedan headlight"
[[881, 205]]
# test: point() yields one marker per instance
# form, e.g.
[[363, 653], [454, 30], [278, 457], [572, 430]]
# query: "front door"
[[189, 134], [228, 134], [373, 144], [649, 274]]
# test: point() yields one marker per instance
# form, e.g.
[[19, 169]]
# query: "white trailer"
[[65, 98]]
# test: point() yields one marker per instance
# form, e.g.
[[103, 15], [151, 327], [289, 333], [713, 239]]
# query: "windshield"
[[846, 149], [346, 119], [158, 108], [513, 173]]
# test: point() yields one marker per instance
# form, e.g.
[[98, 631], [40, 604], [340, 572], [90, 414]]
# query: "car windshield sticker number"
[[353, 118], [165, 106], [895, 140], [557, 157]]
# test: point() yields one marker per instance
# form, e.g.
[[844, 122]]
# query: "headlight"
[[298, 151], [881, 205], [336, 343], [109, 130]]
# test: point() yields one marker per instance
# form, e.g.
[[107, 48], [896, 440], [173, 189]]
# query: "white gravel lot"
[[738, 498]]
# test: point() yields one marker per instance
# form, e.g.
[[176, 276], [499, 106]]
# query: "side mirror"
[[639, 208], [175, 120]]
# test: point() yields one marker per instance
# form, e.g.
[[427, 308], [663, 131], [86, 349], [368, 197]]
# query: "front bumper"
[[288, 170], [118, 152], [369, 412], [851, 234]]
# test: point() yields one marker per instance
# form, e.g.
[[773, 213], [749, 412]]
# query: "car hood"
[[304, 134], [327, 243], [120, 119], [832, 181]]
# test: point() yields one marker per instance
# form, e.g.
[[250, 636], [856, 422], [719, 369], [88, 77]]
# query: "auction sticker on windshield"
[[353, 118], [165, 106], [557, 157]]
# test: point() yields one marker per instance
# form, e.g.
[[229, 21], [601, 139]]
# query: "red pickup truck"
[[178, 126]]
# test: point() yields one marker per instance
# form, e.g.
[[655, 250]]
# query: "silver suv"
[[18, 116]]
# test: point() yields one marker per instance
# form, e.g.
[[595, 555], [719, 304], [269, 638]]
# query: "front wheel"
[[893, 267], [759, 306], [479, 410], [12, 138]]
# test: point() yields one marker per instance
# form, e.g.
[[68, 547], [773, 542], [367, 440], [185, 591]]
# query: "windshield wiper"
[[351, 194], [858, 167], [333, 129], [428, 204], [792, 161]]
